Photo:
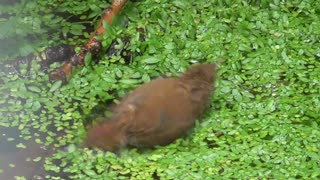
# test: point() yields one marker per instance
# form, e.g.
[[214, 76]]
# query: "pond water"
[[21, 158]]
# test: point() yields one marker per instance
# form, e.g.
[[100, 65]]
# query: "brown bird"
[[156, 113]]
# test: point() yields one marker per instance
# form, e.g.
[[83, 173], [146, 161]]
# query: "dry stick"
[[92, 46]]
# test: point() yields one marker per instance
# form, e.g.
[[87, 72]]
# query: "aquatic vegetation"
[[266, 101]]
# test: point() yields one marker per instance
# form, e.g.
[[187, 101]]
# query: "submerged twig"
[[92, 46]]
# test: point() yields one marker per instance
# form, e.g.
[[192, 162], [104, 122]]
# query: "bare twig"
[[92, 46]]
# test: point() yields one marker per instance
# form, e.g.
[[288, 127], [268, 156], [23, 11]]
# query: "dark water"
[[24, 162]]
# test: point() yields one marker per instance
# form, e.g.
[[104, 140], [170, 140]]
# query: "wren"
[[156, 113]]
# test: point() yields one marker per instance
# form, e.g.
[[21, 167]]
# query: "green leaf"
[[72, 148], [55, 86], [37, 159], [34, 89], [170, 46], [129, 81], [89, 172], [36, 106], [236, 94], [88, 59], [151, 60], [22, 146]]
